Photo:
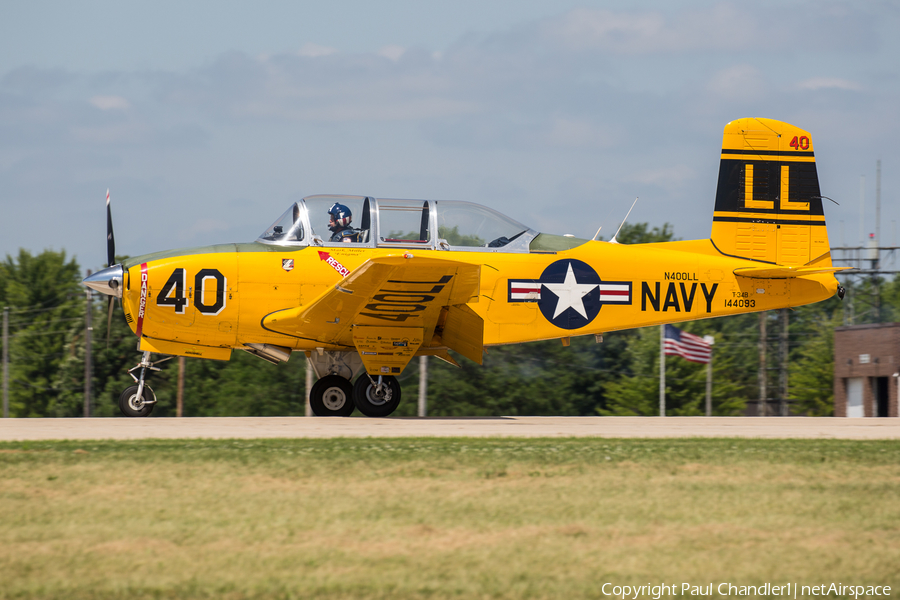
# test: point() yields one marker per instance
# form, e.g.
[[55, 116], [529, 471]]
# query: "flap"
[[397, 291], [784, 272], [463, 332]]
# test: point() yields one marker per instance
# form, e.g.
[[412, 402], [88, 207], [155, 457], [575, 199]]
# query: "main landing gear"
[[332, 396], [139, 400], [335, 396], [376, 396]]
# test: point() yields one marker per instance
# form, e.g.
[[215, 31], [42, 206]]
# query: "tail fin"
[[768, 204]]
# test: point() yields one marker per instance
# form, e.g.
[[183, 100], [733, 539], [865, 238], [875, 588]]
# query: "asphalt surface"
[[319, 427]]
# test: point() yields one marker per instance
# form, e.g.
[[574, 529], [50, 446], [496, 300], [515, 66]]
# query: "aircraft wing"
[[390, 306]]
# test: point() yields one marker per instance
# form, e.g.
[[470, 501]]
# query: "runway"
[[520, 427]]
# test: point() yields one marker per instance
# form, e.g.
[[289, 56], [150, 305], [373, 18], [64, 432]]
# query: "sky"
[[206, 119]]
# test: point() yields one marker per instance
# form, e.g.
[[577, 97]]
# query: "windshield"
[[287, 230]]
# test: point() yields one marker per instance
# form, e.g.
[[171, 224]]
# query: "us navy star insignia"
[[570, 293]]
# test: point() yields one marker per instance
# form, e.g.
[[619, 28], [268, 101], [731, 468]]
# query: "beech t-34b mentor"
[[361, 285]]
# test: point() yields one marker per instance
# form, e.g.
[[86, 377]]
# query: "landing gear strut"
[[139, 400]]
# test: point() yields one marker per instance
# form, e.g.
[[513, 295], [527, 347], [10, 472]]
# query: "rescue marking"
[[334, 263]]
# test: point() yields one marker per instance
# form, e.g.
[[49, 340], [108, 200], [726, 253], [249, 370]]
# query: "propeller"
[[110, 260], [109, 280], [110, 238]]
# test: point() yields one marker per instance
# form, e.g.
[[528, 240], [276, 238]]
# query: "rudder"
[[768, 203]]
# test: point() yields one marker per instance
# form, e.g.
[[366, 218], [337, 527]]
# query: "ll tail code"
[[768, 203]]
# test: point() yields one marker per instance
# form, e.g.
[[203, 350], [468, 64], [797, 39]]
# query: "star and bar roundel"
[[569, 293]]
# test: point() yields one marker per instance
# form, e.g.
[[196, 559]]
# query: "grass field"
[[441, 518]]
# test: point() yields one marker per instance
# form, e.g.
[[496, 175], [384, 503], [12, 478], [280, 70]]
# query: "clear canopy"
[[444, 224], [464, 224]]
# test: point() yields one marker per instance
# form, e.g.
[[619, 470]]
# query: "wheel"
[[373, 403], [332, 396], [132, 406]]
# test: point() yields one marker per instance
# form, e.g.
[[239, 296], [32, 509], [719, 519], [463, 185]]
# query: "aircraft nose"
[[108, 281]]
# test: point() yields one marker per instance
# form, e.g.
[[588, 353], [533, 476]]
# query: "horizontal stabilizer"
[[784, 272]]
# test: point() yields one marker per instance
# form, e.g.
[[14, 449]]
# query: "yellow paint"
[[392, 304], [749, 201]]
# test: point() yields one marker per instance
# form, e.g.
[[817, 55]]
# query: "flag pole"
[[662, 370], [709, 340]]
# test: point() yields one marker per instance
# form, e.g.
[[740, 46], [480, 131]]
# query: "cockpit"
[[362, 221]]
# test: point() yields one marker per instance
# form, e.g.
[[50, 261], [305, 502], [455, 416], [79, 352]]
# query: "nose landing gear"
[[139, 400]]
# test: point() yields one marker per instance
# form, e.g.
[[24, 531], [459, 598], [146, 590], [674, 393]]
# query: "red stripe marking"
[[142, 307]]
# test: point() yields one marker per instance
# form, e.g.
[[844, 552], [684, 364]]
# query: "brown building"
[[866, 370]]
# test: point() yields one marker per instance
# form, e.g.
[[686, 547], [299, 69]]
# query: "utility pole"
[[309, 384], [763, 383], [423, 386], [88, 346], [5, 362], [878, 208], [662, 370], [179, 396], [877, 264], [783, 371]]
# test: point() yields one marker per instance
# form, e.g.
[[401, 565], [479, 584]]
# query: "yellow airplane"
[[361, 285]]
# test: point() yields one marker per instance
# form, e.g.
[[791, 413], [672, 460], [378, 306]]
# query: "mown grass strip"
[[439, 518]]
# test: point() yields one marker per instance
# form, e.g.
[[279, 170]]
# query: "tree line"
[[620, 376]]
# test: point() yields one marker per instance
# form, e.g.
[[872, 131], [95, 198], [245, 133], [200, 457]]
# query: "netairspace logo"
[[787, 590]]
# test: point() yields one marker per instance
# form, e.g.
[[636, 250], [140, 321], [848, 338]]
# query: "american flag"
[[686, 345]]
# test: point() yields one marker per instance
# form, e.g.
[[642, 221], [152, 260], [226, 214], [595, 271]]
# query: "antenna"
[[613, 240]]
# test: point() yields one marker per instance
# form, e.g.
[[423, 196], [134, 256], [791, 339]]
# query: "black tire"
[[132, 406], [372, 404], [332, 396]]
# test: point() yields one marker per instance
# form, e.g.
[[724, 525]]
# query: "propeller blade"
[[109, 312], [110, 238]]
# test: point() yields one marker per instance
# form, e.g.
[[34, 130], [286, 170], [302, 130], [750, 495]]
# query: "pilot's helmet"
[[340, 216]]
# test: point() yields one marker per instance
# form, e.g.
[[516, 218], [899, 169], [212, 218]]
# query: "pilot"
[[339, 224]]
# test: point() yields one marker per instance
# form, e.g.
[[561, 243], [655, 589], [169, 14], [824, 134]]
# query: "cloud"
[[110, 102], [392, 52], [824, 83], [394, 84], [311, 50], [724, 26], [570, 132], [739, 82], [667, 177]]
